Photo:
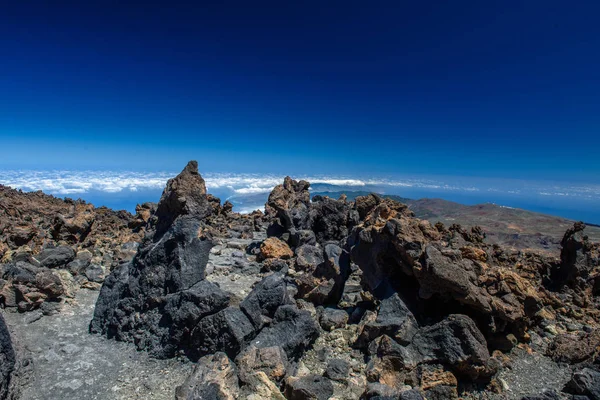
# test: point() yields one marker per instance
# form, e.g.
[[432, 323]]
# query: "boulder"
[[134, 301], [289, 203], [184, 195], [393, 319], [322, 273], [578, 257], [272, 361], [337, 369], [313, 387], [455, 342], [292, 329], [265, 298], [214, 377], [575, 348], [585, 382], [275, 248], [308, 258], [331, 220], [449, 275], [55, 257], [332, 318], [301, 237], [228, 330], [183, 311], [80, 263]]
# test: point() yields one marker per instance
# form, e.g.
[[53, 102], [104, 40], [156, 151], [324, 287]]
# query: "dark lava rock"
[[331, 220], [21, 272], [308, 258], [332, 318], [55, 257], [393, 319], [576, 257], [292, 329], [265, 298], [337, 369], [274, 265], [80, 263], [172, 259], [327, 219], [322, 273], [94, 273], [302, 237], [185, 309], [7, 360], [411, 395], [313, 387], [228, 331], [455, 342], [289, 203], [585, 382]]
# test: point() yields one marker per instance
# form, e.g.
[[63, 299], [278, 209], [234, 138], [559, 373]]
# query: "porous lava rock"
[[136, 302]]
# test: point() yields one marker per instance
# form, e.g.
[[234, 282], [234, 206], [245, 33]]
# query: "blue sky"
[[506, 89]]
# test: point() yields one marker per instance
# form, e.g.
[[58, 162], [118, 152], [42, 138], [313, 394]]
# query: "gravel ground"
[[532, 374], [70, 363]]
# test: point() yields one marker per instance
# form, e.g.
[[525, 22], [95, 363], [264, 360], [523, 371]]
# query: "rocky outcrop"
[[298, 221], [578, 260], [432, 301], [346, 299], [162, 302], [156, 300], [50, 247]]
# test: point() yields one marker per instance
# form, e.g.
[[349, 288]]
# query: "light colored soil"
[[70, 363]]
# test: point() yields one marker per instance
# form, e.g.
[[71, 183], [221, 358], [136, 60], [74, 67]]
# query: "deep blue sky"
[[488, 88]]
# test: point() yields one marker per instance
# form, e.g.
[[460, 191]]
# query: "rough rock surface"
[[79, 243], [339, 299], [7, 360], [157, 300]]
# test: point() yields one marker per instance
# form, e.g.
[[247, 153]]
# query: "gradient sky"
[[485, 88]]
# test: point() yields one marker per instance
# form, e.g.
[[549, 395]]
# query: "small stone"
[[337, 369]]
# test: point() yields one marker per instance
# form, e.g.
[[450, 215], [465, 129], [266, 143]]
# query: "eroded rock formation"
[[329, 298]]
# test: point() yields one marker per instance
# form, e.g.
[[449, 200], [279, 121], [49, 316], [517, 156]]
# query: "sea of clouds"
[[66, 183], [249, 191]]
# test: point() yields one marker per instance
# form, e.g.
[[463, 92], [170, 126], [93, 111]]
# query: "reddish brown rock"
[[275, 248]]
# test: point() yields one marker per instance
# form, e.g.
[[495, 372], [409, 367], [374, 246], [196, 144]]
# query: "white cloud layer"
[[73, 183]]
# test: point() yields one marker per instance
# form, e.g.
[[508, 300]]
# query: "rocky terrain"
[[315, 299], [506, 226]]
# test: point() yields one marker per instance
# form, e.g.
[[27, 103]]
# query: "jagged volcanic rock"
[[464, 297], [408, 309], [51, 247], [162, 303], [156, 300]]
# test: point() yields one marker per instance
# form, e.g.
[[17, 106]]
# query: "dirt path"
[[69, 363]]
